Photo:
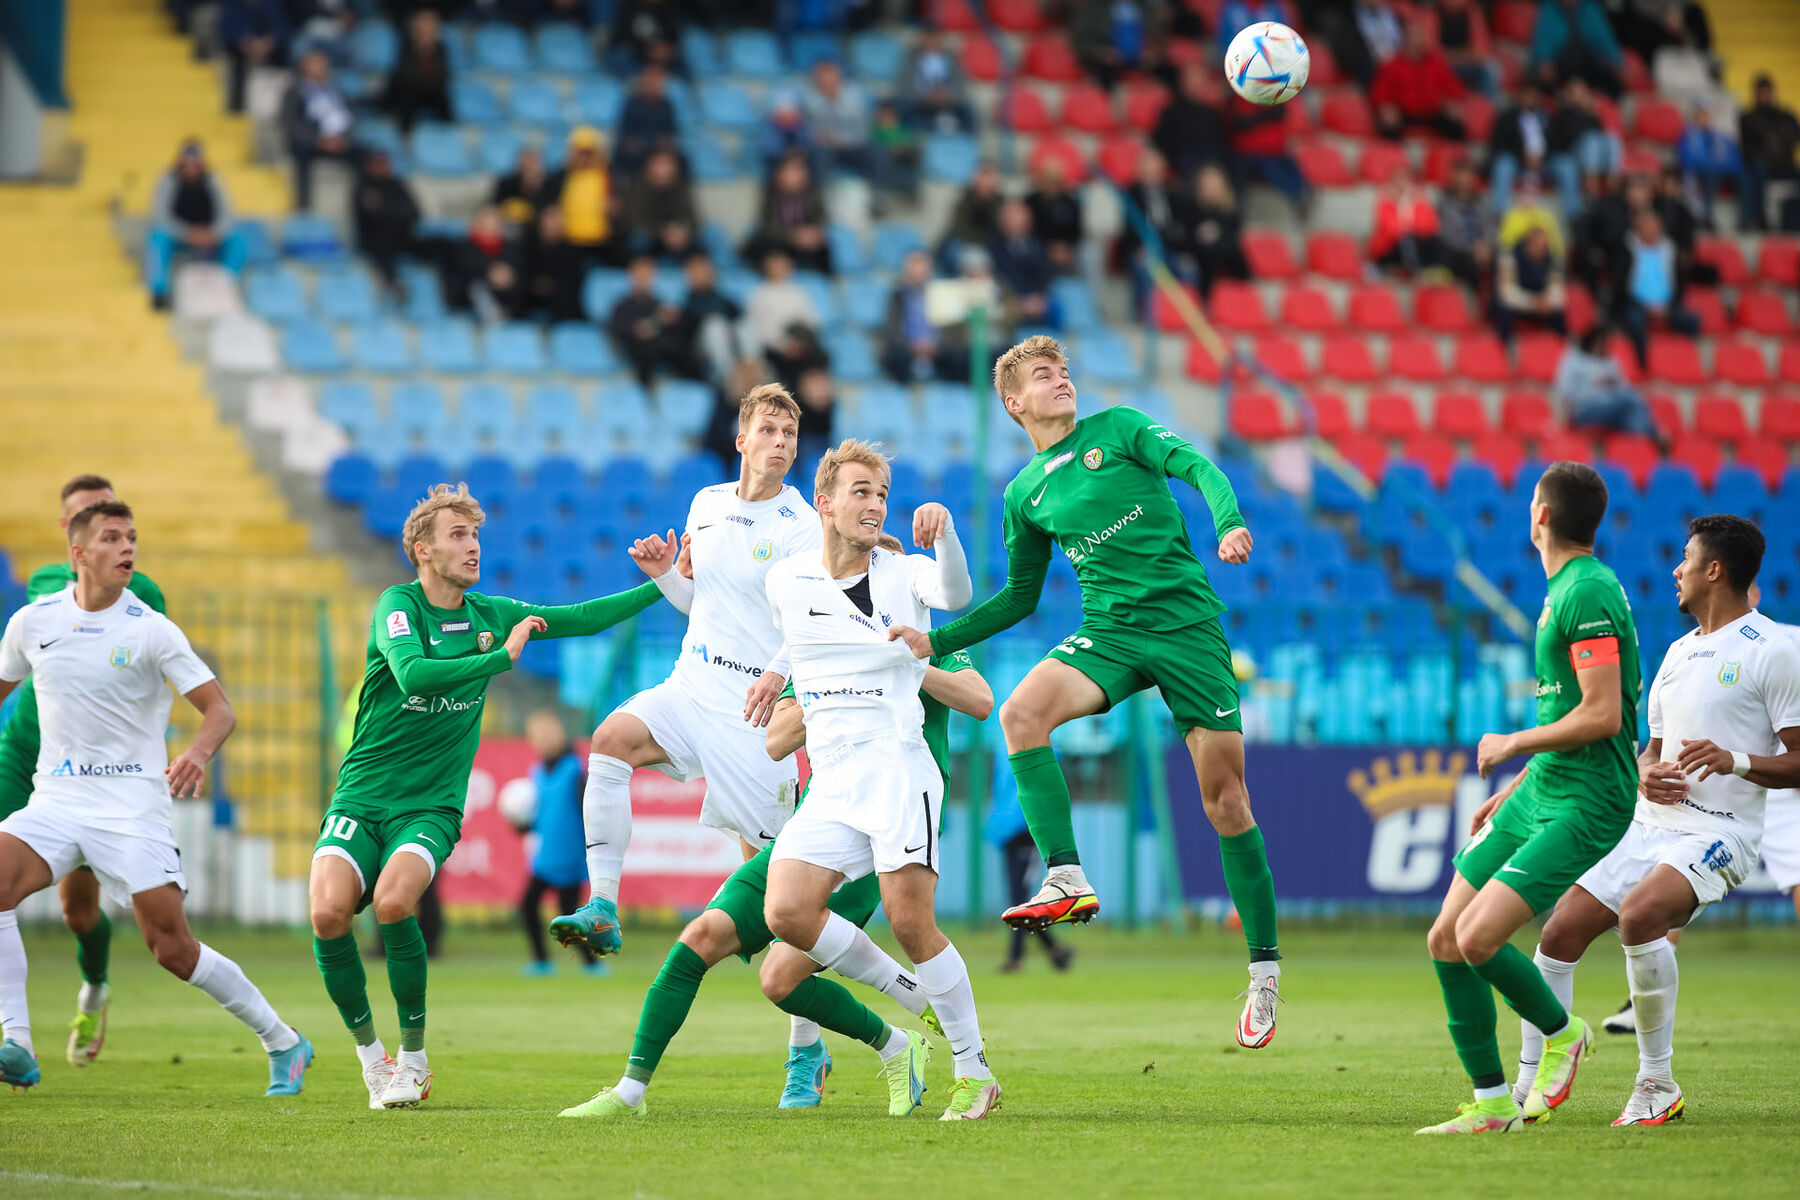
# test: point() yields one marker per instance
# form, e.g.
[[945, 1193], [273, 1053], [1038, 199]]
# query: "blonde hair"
[[420, 521], [850, 450], [766, 396], [888, 541], [1009, 371]]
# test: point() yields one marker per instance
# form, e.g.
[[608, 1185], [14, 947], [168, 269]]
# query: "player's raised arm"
[[590, 616], [187, 770], [658, 558], [944, 582], [1027, 565], [396, 625], [1163, 449]]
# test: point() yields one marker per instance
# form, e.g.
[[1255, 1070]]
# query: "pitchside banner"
[[673, 860]]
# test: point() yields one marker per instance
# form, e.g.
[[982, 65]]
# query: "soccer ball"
[[1267, 63], [518, 804]]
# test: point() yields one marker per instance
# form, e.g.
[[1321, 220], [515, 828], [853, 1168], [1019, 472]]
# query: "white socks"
[[897, 1041], [853, 954], [1260, 971], [1650, 968], [372, 1053], [414, 1060], [631, 1091], [91, 998], [606, 815], [15, 1015], [945, 981], [802, 1032], [226, 982], [1561, 978]]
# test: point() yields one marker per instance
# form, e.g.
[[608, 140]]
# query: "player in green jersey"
[[80, 890], [1560, 816], [397, 812], [1098, 490]]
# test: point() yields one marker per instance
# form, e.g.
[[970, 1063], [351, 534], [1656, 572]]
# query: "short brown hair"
[[888, 541], [424, 514], [86, 483], [1009, 371], [1576, 495], [78, 524], [850, 450], [766, 396]]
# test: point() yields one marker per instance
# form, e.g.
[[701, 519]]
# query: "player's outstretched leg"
[[788, 979], [333, 893], [18, 1059], [620, 742], [402, 882], [80, 893], [1560, 975], [1469, 1008]]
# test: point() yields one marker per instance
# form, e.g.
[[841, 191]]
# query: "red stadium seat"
[[1767, 458], [1189, 52], [1675, 359], [1633, 453], [1665, 410], [1284, 357], [1611, 119], [1258, 415], [1050, 57], [1525, 414], [1323, 164], [1788, 370], [1565, 445], [1051, 146], [1513, 20], [1538, 355], [1297, 119], [1779, 261], [1781, 417], [1709, 306], [1200, 364], [1271, 255], [1481, 358], [1635, 73], [1348, 113], [1369, 453], [1324, 69], [1391, 415], [1330, 415], [1436, 454], [1702, 455], [1657, 121], [1307, 309], [1721, 418], [1382, 161], [1237, 306], [1334, 255], [1088, 108], [1622, 353], [1478, 119], [1165, 315], [1347, 358], [1725, 255], [1643, 158], [1144, 103], [1440, 157], [981, 59], [1119, 157], [1764, 311], [1017, 16], [1443, 308], [1502, 453], [1741, 363], [1459, 415], [957, 16], [1579, 309], [1374, 306], [1415, 357], [1024, 109]]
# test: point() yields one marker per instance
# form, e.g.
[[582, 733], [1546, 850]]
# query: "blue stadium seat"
[[684, 407], [553, 416], [1673, 491], [876, 57], [1105, 357], [1075, 301], [1739, 489], [949, 414], [808, 48], [352, 478], [441, 150], [736, 283], [627, 481], [374, 47], [710, 160], [561, 481], [309, 346], [417, 474], [493, 482], [824, 296], [474, 103], [310, 238], [380, 346], [501, 48], [351, 405], [259, 247], [700, 52], [893, 241], [485, 415], [347, 295], [498, 152], [599, 101], [853, 356], [1155, 405], [882, 412], [515, 348], [866, 300], [847, 254], [622, 414], [727, 106], [382, 133], [275, 294], [694, 471], [564, 49], [755, 53], [416, 408], [535, 102], [602, 290], [448, 347], [579, 349], [950, 157]]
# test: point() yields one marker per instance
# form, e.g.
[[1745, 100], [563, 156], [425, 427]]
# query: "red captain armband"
[[1594, 652]]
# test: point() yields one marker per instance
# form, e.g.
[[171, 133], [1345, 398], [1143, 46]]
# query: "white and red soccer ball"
[[1267, 63]]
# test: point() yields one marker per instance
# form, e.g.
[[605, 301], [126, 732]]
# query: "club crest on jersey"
[[120, 657], [1544, 617], [1093, 458], [1728, 674], [398, 625], [764, 551], [484, 641]]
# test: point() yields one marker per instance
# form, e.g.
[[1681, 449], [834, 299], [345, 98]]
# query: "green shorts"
[[1191, 667], [1538, 850], [741, 898], [367, 837]]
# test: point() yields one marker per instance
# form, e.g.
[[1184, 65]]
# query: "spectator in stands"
[[1519, 141], [1258, 138], [420, 83], [1580, 148], [646, 123], [912, 350], [782, 322], [785, 132], [817, 395], [893, 157], [1462, 33], [1769, 137], [1708, 158], [316, 121], [551, 278], [1465, 227], [645, 327], [1528, 286], [658, 216], [482, 272], [1417, 89], [1602, 259], [710, 331], [190, 216], [1214, 229], [1021, 264], [1575, 39], [585, 195], [1406, 228], [1530, 210], [1167, 208], [1647, 26], [976, 217], [1593, 393], [386, 215], [1653, 289], [1681, 220], [1190, 132], [1055, 213], [526, 192], [1240, 14], [838, 119], [644, 32], [933, 87], [1366, 38], [254, 33], [1110, 36], [326, 25], [792, 218]]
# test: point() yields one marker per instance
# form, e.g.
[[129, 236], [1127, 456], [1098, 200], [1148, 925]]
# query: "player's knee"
[[1024, 723], [785, 919], [916, 932], [711, 935], [613, 739], [1441, 941], [80, 914], [175, 951], [1641, 922], [330, 922], [1475, 944], [393, 905]]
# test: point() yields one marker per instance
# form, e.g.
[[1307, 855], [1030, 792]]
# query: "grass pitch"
[[1122, 1080]]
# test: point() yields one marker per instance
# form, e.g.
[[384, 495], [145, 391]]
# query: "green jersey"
[[418, 713], [1586, 622], [19, 736], [937, 713], [1102, 495]]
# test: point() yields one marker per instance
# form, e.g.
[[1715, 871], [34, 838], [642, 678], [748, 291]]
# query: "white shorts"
[[1712, 863], [128, 857], [869, 807], [747, 793], [1781, 839]]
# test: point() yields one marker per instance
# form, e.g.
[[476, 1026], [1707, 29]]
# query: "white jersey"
[[103, 707], [1736, 686], [730, 635], [852, 682]]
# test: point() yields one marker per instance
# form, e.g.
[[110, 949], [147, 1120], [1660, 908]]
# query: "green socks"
[[93, 949], [832, 1006], [1469, 1001], [666, 1007], [1044, 797], [1252, 890], [1522, 985], [406, 977], [340, 965]]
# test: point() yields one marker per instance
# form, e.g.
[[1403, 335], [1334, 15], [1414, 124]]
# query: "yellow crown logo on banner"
[[1405, 783]]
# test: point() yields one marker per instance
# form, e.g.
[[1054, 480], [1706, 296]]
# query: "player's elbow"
[[981, 705]]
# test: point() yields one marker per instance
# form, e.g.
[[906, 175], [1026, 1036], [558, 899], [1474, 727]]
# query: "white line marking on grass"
[[163, 1185]]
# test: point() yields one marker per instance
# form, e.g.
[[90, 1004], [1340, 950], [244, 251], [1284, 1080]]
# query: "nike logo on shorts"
[[1520, 870], [813, 612], [916, 849], [1222, 712], [424, 838], [765, 835]]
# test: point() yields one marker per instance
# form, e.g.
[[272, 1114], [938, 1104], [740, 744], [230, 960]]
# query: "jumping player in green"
[[1560, 816], [80, 890], [1098, 490], [734, 924], [397, 812]]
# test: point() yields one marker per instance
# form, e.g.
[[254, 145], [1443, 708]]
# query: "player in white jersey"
[[1724, 726], [99, 657], [875, 793], [1781, 818]]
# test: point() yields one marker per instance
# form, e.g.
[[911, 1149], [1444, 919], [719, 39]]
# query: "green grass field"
[[1122, 1080]]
